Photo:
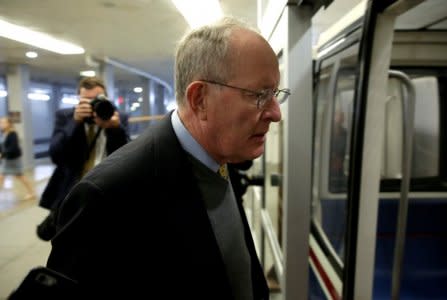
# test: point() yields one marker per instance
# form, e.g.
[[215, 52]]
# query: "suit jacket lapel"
[[189, 211]]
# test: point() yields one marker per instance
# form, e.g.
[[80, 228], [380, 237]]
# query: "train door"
[[351, 79], [372, 173]]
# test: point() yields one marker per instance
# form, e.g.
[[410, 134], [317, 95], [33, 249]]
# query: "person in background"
[[82, 137], [159, 214], [339, 136], [11, 157]]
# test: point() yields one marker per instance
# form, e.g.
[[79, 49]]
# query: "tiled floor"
[[20, 248], [12, 192]]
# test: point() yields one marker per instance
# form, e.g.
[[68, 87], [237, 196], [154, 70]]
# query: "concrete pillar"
[[3, 98], [160, 99], [108, 75], [56, 98], [54, 104], [152, 86], [157, 99], [18, 80], [145, 95]]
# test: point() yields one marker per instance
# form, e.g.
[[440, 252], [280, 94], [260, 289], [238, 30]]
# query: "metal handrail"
[[408, 105], [274, 245], [145, 118]]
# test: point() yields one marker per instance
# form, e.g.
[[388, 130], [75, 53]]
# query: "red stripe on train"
[[327, 282]]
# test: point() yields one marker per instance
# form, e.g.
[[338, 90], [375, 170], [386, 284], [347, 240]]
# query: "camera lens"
[[103, 108]]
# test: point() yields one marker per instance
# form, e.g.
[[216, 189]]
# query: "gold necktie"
[[223, 171], [91, 158]]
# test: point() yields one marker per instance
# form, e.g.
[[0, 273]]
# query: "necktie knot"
[[223, 171]]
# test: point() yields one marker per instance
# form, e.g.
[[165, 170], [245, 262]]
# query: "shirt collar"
[[190, 145]]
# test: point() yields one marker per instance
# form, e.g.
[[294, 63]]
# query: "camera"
[[103, 108]]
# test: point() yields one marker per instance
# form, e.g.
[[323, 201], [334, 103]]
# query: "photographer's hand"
[[82, 110], [113, 122]]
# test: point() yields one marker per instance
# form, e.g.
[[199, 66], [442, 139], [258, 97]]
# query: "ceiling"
[[138, 34]]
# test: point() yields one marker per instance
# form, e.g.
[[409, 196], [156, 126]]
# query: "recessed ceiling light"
[[193, 10], [37, 39], [88, 73], [137, 89], [31, 54]]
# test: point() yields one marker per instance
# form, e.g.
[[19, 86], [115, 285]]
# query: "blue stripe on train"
[[424, 274]]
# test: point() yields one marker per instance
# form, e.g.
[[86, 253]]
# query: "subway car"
[[361, 148]]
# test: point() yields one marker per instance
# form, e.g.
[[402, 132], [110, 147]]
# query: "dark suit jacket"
[[137, 225], [69, 151]]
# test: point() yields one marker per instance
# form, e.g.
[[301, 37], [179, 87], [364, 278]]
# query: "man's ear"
[[196, 93]]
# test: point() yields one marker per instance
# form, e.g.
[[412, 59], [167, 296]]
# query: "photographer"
[[82, 137]]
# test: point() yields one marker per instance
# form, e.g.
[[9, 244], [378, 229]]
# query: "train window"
[[426, 129], [427, 170], [340, 131], [333, 128], [321, 102]]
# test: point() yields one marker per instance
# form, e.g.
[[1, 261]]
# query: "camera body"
[[103, 108]]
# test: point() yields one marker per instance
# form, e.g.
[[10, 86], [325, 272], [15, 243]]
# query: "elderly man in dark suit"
[[156, 216], [82, 137]]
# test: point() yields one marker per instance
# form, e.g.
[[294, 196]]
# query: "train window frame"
[[436, 183], [429, 183], [330, 69], [349, 49]]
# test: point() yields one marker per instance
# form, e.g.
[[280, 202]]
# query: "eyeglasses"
[[263, 96]]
